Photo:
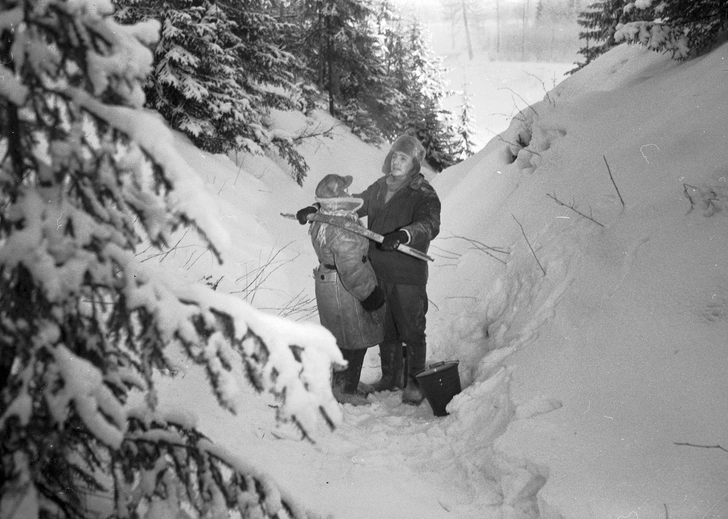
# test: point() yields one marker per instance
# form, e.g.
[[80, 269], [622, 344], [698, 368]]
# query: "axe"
[[358, 229]]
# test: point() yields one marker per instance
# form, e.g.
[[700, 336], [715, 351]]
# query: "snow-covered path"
[[587, 348]]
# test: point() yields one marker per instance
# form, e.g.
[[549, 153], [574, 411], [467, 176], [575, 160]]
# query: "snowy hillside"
[[627, 331], [590, 345]]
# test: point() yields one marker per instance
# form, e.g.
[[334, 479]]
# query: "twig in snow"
[[521, 98], [612, 179], [302, 305], [175, 246], [477, 245], [197, 258], [543, 86], [572, 206], [517, 117], [444, 253], [687, 195], [223, 185], [529, 244], [209, 282], [237, 176], [261, 274], [714, 505], [702, 446]]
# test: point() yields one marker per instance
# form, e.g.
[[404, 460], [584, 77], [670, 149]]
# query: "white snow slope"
[[590, 345]]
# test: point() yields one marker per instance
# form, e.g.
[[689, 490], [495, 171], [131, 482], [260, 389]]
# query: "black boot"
[[345, 383], [392, 367], [412, 393]]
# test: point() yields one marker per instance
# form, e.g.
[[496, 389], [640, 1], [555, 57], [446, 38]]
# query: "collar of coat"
[[345, 203], [415, 182]]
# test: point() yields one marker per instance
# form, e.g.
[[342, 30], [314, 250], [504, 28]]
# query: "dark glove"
[[374, 301], [303, 213], [393, 240]]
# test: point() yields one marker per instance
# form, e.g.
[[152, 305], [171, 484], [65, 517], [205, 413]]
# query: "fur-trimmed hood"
[[347, 204]]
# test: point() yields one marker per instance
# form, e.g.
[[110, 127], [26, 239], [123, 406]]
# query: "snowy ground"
[[589, 346], [498, 90]]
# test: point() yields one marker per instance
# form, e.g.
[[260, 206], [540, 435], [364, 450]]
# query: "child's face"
[[400, 164]]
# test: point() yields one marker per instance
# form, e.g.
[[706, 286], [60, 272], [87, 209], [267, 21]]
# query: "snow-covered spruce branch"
[[523, 232], [82, 321], [655, 36], [572, 206], [219, 329], [179, 464]]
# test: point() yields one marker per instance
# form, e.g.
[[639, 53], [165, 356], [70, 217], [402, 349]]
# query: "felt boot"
[[345, 383], [412, 393], [364, 389], [392, 367], [349, 398]]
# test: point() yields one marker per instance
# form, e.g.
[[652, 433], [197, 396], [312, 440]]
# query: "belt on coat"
[[364, 259]]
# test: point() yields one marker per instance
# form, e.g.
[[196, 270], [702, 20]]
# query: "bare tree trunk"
[[497, 27], [524, 22], [553, 40], [12, 119], [334, 87], [452, 33], [467, 29], [329, 72], [323, 35]]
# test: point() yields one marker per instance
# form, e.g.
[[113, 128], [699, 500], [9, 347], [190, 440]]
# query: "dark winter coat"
[[340, 290], [414, 208]]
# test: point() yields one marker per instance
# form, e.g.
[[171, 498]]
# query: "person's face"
[[400, 164]]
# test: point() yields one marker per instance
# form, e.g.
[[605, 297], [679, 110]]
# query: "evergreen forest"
[[84, 323]]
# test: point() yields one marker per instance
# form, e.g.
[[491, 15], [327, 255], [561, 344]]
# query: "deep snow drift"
[[590, 345]]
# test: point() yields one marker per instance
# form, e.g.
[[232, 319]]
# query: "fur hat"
[[333, 186], [410, 146], [331, 194]]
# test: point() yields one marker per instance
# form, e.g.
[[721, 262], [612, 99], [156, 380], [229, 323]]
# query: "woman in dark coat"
[[349, 300], [404, 208]]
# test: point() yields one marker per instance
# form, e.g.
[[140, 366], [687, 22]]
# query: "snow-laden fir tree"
[[218, 70], [388, 109], [466, 127], [87, 177], [683, 28], [367, 96], [337, 41], [600, 22], [379, 75], [419, 77]]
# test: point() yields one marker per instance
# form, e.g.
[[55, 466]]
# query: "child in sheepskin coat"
[[350, 302]]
